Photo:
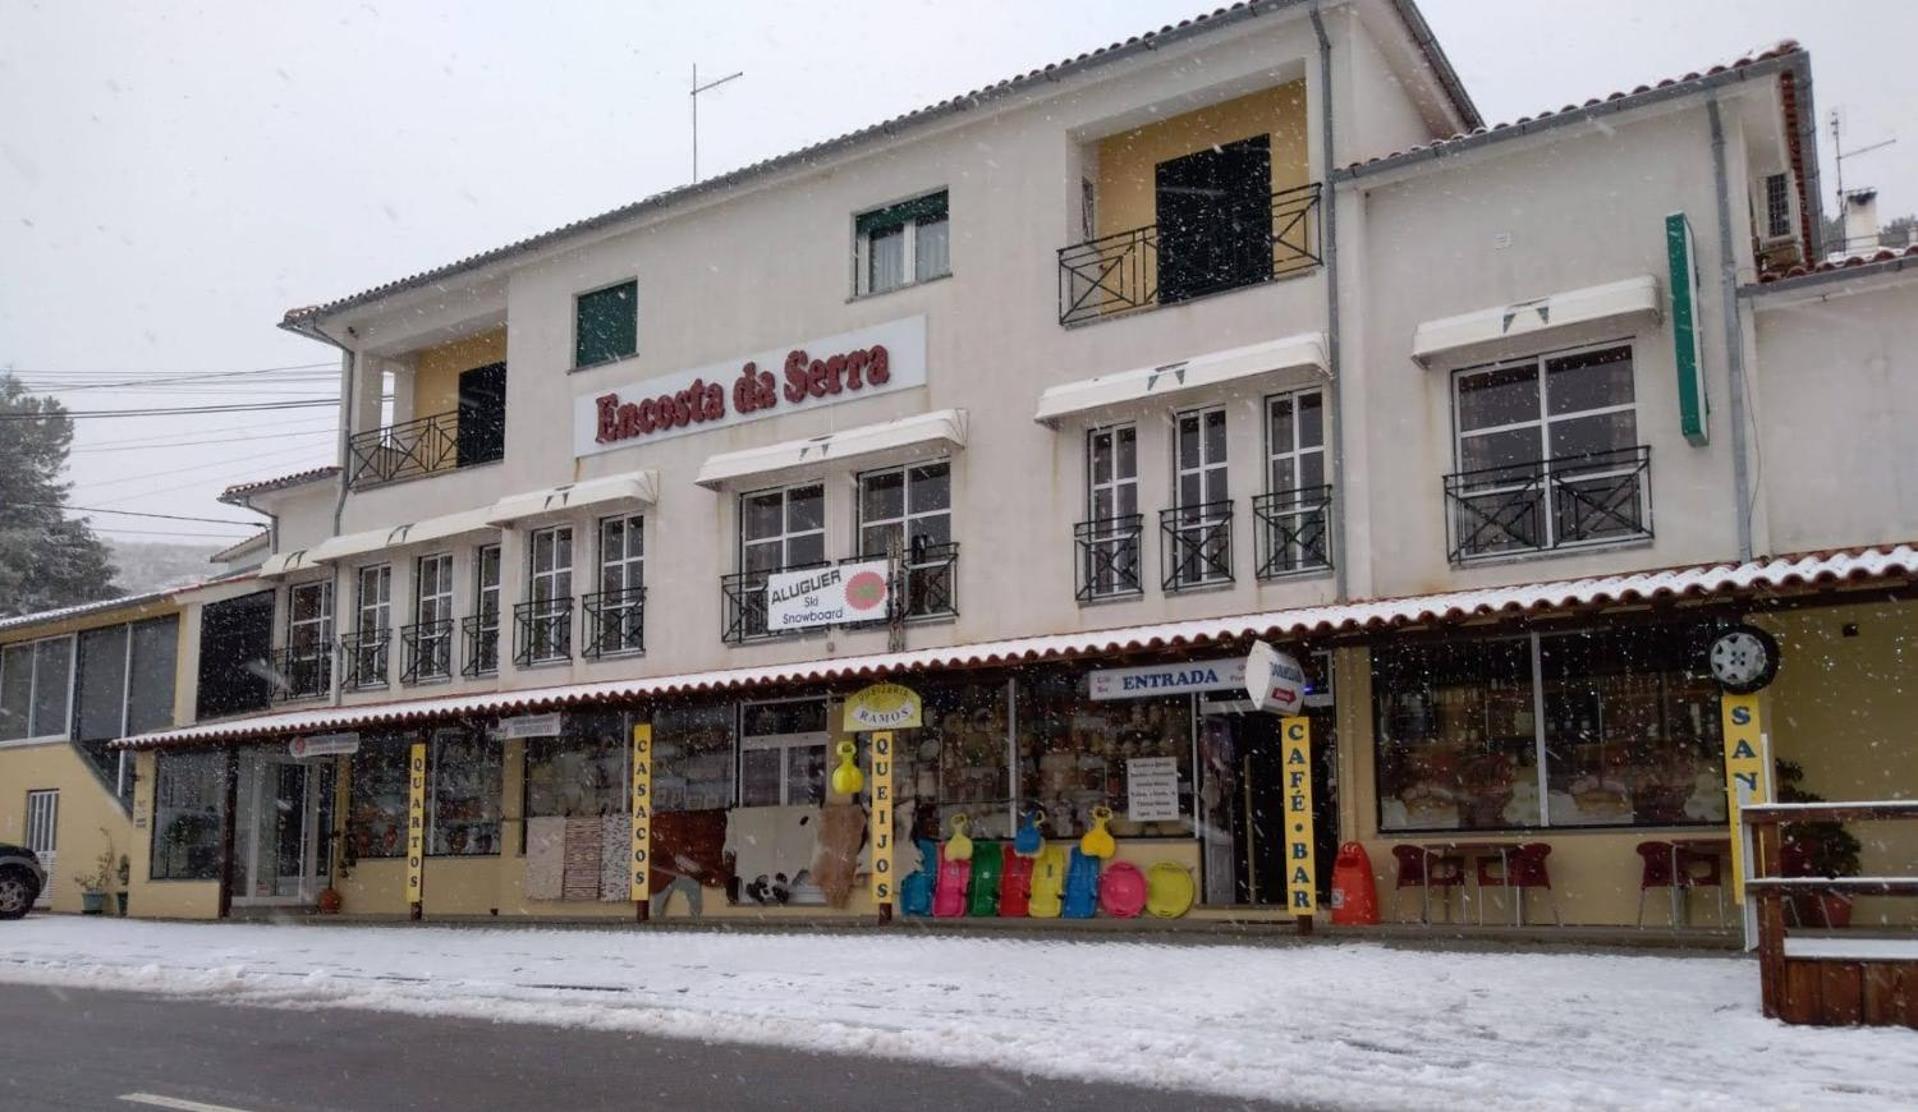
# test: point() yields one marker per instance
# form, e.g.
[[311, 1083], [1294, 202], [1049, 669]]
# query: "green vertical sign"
[[1693, 407]]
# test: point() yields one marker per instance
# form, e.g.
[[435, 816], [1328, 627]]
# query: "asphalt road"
[[62, 1048]]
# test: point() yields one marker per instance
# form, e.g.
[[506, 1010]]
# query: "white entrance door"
[[43, 829], [280, 828]]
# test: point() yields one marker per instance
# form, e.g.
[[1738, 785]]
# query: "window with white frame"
[[35, 689], [1200, 531], [904, 243], [550, 594], [618, 611], [1293, 513], [373, 626], [43, 834], [912, 504], [1777, 205], [1109, 539], [483, 652], [782, 753], [783, 528], [430, 648], [309, 639], [1548, 454]]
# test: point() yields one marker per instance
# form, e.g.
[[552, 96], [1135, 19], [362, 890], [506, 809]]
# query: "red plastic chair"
[[1525, 869], [1655, 873], [1447, 873], [1703, 870]]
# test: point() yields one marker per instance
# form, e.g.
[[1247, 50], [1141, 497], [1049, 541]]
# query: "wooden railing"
[[1839, 978]]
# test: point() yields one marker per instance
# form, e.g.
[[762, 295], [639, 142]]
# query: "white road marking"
[[158, 1101]]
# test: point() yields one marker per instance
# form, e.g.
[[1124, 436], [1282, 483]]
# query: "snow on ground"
[[1342, 1024]]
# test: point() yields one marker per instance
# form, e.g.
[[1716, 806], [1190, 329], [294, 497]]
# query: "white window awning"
[[938, 431], [1185, 378], [348, 545], [1491, 332], [633, 488]]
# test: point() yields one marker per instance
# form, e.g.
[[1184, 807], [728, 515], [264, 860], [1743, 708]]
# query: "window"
[[913, 505], [483, 648], [43, 835], [309, 638], [1777, 205], [464, 797], [1294, 510], [779, 530], [35, 695], [430, 648], [376, 821], [782, 754], [1611, 727], [124, 686], [548, 630], [373, 630], [693, 758], [189, 796], [1074, 754], [1199, 530], [1548, 454], [905, 243], [618, 611], [1109, 540], [582, 772], [606, 324], [236, 669]]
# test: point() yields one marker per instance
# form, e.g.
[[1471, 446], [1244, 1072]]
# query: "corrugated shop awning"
[[1868, 567], [1182, 379], [1484, 332], [922, 434]]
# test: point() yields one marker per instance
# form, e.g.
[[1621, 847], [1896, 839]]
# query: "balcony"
[[1547, 505], [615, 623], [365, 656], [543, 631], [1293, 531], [928, 583], [481, 635], [1195, 545], [1106, 556], [743, 604], [423, 446], [303, 672], [1127, 271], [428, 648]]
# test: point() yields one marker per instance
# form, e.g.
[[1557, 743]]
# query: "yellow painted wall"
[[88, 821], [161, 899], [436, 371]]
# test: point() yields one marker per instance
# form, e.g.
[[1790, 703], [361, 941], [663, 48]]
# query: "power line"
[[139, 513], [148, 447], [166, 533], [164, 376], [163, 411], [250, 426], [248, 462]]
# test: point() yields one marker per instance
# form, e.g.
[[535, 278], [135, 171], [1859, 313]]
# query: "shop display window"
[[1075, 754], [189, 793], [957, 763], [693, 758], [463, 798], [1622, 722], [782, 753], [582, 772], [376, 817]]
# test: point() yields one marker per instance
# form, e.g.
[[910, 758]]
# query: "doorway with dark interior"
[[481, 436], [1215, 219]]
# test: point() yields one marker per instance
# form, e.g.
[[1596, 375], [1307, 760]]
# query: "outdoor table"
[[1471, 851], [1681, 906]]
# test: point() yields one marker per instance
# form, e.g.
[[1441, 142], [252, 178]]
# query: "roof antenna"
[[698, 89], [1840, 154]]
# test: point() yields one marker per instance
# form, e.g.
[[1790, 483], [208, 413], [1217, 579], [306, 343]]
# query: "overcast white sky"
[[172, 179]]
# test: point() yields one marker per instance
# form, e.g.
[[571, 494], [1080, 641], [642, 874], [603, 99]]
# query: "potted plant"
[[126, 874], [1823, 849], [95, 886]]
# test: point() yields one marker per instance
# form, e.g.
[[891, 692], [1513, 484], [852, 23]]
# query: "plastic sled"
[[1046, 898], [1015, 885], [949, 898], [915, 892], [1122, 890], [988, 860], [1082, 886], [1169, 890]]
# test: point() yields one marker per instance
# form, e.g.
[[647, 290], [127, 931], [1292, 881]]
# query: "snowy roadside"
[[1353, 1025]]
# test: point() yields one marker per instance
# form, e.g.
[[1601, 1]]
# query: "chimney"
[[1861, 222]]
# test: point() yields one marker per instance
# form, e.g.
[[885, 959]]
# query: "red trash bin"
[[1355, 902]]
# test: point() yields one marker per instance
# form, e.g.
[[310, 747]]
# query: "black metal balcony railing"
[[1294, 530], [482, 644], [1106, 555], [428, 651], [743, 603], [615, 622], [1120, 272], [303, 672], [407, 450], [543, 631], [927, 586], [1599, 497], [1195, 545], [364, 656]]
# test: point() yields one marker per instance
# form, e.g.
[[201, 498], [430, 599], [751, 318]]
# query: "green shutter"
[[925, 209], [606, 325], [1694, 408]]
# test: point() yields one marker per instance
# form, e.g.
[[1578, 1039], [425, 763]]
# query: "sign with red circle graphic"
[[856, 592]]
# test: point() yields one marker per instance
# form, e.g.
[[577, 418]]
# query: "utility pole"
[[698, 89]]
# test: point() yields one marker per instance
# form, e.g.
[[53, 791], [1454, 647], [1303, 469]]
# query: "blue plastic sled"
[[915, 892], [1082, 886]]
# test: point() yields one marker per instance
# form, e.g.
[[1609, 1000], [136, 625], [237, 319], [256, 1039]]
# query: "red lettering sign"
[[754, 391]]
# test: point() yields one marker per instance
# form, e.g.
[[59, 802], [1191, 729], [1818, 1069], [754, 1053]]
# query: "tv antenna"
[[1840, 154], [698, 89]]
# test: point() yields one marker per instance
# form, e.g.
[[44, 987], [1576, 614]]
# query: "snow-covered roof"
[[1696, 581], [48, 617]]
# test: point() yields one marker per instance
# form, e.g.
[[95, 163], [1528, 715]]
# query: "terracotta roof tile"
[[260, 486], [1882, 255]]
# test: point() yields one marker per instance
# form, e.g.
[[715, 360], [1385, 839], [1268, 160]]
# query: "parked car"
[[21, 879]]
